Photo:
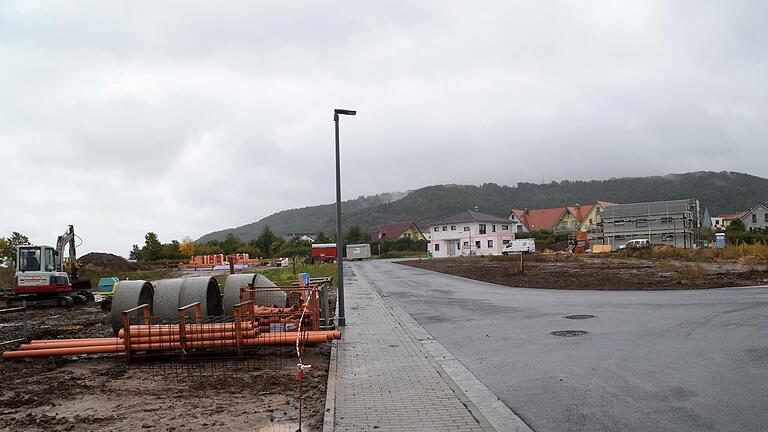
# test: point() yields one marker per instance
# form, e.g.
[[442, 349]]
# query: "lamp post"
[[339, 238]]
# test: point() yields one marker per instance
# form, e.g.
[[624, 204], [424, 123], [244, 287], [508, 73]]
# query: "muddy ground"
[[594, 272], [90, 393]]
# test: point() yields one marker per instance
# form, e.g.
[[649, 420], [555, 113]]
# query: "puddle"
[[569, 333], [579, 317]]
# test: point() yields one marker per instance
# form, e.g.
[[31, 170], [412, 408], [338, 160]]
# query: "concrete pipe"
[[203, 289], [266, 298], [167, 300], [128, 295]]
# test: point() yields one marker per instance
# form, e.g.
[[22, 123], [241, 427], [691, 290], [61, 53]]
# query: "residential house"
[[593, 219], [558, 219], [535, 220], [303, 236], [756, 218], [720, 222], [469, 232], [675, 223], [394, 231]]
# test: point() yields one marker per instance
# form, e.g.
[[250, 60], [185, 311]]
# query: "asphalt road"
[[652, 361]]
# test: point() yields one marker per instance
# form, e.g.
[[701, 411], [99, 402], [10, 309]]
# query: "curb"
[[330, 396]]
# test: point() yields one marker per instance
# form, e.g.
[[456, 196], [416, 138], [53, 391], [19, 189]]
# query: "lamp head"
[[338, 111]]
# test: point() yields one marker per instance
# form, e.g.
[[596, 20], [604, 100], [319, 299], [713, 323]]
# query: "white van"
[[516, 246], [636, 243]]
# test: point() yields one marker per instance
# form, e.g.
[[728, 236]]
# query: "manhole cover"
[[569, 333], [579, 316]]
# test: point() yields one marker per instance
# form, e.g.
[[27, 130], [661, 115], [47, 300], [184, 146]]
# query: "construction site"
[[200, 350], [637, 270]]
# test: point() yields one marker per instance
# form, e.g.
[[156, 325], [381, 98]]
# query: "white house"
[[468, 232], [756, 218]]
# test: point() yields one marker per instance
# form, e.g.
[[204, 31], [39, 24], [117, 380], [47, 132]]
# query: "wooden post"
[[127, 335], [238, 330]]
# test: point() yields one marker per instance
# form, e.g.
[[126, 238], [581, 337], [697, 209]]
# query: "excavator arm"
[[64, 240]]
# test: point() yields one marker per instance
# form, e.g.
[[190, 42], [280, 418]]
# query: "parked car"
[[517, 246], [636, 243]]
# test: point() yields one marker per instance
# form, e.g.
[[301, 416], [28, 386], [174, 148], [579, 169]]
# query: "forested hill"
[[720, 192]]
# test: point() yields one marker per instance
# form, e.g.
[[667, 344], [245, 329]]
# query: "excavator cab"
[[37, 272]]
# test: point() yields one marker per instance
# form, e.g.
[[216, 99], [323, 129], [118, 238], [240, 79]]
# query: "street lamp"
[[339, 239]]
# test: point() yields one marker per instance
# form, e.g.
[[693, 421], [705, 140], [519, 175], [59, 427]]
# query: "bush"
[[695, 272]]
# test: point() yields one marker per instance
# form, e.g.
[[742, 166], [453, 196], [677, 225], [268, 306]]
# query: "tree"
[[231, 244], [266, 241], [153, 249], [171, 250], [356, 235], [322, 238], [187, 247], [135, 253], [295, 247], [8, 247], [736, 226]]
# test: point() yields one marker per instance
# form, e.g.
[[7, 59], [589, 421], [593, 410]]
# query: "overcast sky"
[[184, 117]]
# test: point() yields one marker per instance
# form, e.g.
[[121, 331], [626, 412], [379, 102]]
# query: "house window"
[[437, 247], [477, 244], [641, 223], [465, 245], [453, 227], [754, 217], [504, 242], [437, 229], [506, 227], [445, 228], [493, 228], [519, 228], [490, 244], [466, 228], [766, 217], [482, 228]]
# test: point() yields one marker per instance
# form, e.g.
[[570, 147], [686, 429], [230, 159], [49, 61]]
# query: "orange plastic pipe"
[[63, 351], [46, 341], [174, 330], [66, 344]]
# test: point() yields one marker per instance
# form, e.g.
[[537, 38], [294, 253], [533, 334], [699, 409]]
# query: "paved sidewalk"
[[385, 379]]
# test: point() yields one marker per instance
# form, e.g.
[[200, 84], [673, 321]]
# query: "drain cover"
[[569, 333], [579, 316]]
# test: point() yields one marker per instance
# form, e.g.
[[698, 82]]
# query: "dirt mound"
[[107, 261]]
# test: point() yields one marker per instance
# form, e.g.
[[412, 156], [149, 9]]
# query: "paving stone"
[[385, 380]]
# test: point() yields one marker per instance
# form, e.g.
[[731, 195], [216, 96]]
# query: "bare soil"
[[107, 261], [583, 272], [102, 392]]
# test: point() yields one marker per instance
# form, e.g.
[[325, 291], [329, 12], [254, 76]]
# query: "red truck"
[[324, 252]]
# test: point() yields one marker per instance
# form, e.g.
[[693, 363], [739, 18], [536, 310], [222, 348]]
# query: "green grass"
[[280, 275]]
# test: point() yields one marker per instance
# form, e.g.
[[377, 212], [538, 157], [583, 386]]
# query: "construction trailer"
[[359, 251], [324, 252]]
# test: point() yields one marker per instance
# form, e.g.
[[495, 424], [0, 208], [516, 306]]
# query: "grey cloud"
[[207, 115]]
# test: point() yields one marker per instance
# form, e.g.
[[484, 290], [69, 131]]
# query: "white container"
[[358, 251]]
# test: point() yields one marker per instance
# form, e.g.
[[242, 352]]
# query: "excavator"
[[45, 278]]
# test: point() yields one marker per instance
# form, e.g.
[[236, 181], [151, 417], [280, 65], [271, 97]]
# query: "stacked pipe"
[[165, 338]]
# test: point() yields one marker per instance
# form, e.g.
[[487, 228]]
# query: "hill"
[[719, 191]]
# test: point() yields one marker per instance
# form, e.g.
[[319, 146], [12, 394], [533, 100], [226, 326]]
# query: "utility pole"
[[339, 239]]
